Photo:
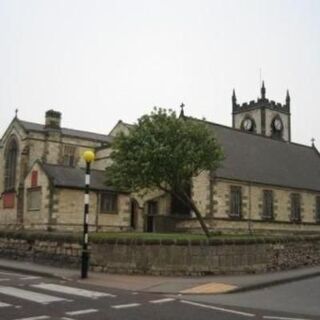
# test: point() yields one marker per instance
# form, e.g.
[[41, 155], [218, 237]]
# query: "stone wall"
[[46, 146], [8, 216], [166, 257], [102, 159], [270, 115], [40, 217], [213, 200], [254, 114]]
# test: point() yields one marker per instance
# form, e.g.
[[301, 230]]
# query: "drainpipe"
[[249, 211], [211, 184], [50, 207]]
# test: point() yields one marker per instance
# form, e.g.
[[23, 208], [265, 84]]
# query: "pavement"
[[169, 285]]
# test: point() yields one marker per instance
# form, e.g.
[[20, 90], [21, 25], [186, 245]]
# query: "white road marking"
[[123, 306], [2, 304], [65, 318], [12, 273], [283, 318], [30, 295], [218, 308], [35, 318], [30, 278], [162, 300], [71, 290], [78, 312], [4, 279]]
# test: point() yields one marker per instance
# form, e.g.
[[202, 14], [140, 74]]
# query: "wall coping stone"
[[32, 236]]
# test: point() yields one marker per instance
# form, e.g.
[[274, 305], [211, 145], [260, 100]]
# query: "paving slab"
[[160, 284]]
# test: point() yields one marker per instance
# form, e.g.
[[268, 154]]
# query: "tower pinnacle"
[[263, 91], [234, 98], [288, 98]]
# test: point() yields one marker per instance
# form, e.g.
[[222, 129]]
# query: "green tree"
[[163, 151]]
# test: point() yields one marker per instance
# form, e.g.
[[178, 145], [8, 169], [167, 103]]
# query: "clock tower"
[[263, 116]]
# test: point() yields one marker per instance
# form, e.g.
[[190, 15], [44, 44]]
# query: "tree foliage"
[[164, 152]]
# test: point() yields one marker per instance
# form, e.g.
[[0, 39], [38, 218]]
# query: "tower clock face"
[[248, 124], [277, 124]]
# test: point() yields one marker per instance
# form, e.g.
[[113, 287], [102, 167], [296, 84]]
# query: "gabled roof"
[[254, 158], [31, 126], [68, 177], [119, 124]]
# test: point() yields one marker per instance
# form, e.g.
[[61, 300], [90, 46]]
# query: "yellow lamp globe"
[[88, 156]]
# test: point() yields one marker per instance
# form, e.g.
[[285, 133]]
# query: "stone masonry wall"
[[37, 218], [8, 217], [255, 114], [252, 207], [166, 257]]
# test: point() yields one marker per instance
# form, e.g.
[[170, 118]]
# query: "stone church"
[[266, 182]]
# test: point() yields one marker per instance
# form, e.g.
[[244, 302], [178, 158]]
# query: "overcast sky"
[[101, 61]]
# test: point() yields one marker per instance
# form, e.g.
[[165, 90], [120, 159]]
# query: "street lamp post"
[[88, 157]]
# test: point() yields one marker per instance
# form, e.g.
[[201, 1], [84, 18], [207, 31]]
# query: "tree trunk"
[[192, 205]]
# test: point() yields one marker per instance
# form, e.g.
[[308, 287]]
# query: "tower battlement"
[[261, 102], [263, 116]]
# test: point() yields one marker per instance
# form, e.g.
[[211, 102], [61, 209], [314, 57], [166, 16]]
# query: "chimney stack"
[[53, 119]]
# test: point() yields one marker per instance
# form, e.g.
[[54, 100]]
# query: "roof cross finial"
[[16, 113], [312, 141], [182, 110]]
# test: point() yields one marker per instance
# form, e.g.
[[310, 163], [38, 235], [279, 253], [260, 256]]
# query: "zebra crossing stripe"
[[72, 290], [30, 278], [164, 300], [79, 312], [29, 295], [35, 318], [124, 306], [2, 304]]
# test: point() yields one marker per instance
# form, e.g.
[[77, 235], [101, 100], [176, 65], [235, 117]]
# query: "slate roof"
[[68, 177], [248, 157], [31, 126], [254, 158]]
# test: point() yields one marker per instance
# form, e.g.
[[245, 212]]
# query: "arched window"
[[10, 165]]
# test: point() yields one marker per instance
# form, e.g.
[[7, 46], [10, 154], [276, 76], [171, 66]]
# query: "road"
[[299, 298], [24, 297]]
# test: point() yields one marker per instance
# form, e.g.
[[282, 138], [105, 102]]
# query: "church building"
[[266, 182]]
